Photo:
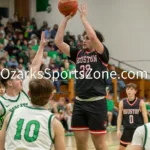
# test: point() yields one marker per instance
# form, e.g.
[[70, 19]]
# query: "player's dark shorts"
[[126, 137], [90, 116]]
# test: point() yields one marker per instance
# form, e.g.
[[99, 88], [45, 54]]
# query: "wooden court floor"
[[112, 142]]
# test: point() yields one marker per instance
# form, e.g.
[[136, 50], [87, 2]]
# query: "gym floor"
[[112, 142]]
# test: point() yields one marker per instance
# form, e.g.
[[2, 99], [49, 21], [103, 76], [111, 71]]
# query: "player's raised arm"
[[37, 61], [119, 120], [59, 140], [65, 48], [90, 31]]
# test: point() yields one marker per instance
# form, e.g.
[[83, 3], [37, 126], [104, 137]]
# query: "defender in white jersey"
[[16, 90], [14, 97], [141, 138], [33, 127]]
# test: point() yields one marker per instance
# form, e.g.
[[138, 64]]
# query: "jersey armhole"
[[3, 108], [145, 139], [105, 64], [50, 127], [26, 95], [78, 54], [9, 120], [140, 107]]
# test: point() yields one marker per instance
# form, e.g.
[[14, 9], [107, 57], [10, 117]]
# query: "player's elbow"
[[58, 42]]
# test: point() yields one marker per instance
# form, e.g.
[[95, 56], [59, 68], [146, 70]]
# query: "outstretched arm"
[[37, 61], [98, 46], [60, 35]]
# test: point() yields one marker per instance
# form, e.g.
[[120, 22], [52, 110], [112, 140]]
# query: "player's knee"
[[81, 139], [109, 113], [100, 146], [122, 147], [99, 142], [81, 144]]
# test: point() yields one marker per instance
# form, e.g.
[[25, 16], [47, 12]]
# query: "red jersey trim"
[[79, 128], [98, 131], [129, 102], [126, 143]]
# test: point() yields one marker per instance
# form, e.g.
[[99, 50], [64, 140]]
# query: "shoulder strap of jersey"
[[25, 94], [124, 101], [145, 139], [49, 127], [10, 119], [78, 54], [105, 64], [2, 112]]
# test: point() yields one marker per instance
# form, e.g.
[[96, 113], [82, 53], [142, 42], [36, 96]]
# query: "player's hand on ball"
[[68, 17], [83, 10], [119, 134], [43, 41]]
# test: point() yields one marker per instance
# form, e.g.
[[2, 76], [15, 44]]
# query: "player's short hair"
[[40, 91], [98, 34], [131, 85], [7, 74]]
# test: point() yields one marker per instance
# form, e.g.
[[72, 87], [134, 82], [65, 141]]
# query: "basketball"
[[68, 6]]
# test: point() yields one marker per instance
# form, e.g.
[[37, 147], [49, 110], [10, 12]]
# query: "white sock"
[[109, 124]]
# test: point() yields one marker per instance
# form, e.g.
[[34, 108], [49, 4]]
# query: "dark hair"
[[131, 85], [98, 34], [40, 91], [7, 74]]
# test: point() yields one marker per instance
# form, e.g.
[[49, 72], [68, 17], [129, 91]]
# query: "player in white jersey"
[[33, 127], [16, 90], [141, 138]]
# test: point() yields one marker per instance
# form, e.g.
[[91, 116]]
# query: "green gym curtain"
[[41, 5]]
